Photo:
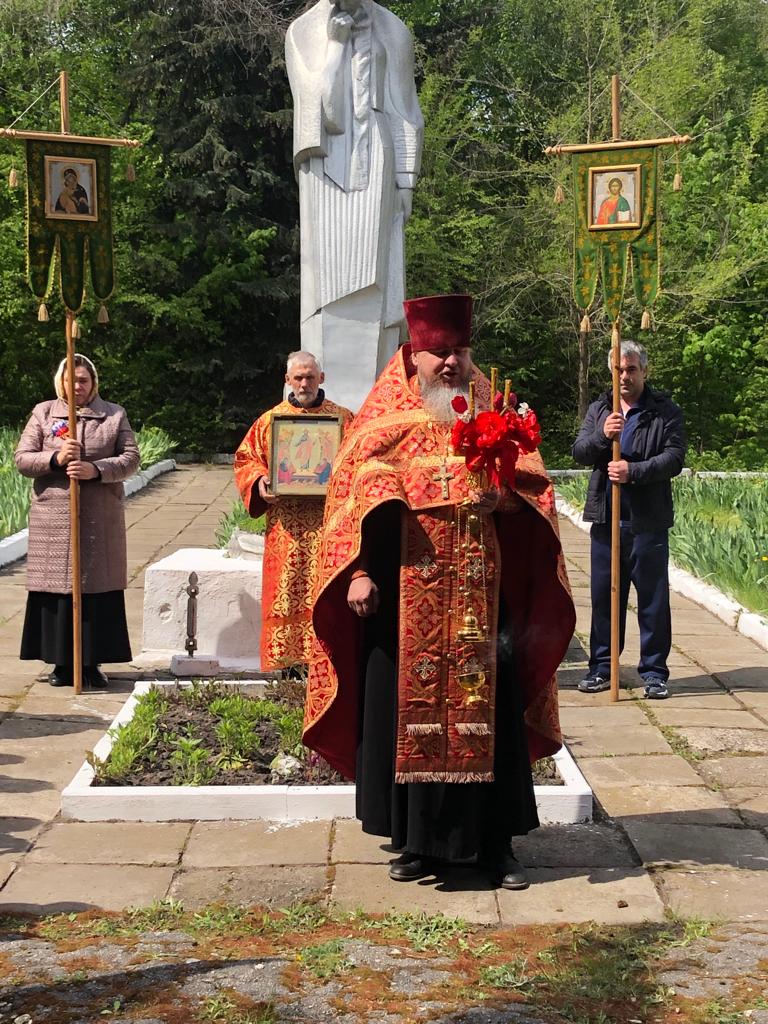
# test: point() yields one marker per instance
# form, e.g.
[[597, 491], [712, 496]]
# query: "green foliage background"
[[207, 240]]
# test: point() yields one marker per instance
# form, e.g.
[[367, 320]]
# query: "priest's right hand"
[[363, 596], [264, 492], [69, 452]]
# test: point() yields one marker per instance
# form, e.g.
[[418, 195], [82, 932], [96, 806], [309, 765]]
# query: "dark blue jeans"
[[644, 562]]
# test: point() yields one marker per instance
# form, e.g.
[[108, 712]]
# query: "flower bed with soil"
[[218, 751]]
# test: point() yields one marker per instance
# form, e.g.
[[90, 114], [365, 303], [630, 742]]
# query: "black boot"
[[409, 867], [61, 675], [505, 871], [94, 678]]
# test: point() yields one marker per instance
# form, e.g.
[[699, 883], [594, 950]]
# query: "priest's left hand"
[[618, 472], [363, 597], [484, 502], [82, 471]]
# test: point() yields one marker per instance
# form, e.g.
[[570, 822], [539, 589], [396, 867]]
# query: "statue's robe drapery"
[[290, 543], [358, 133], [386, 481]]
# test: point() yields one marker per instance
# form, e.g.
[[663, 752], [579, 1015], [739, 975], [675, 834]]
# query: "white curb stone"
[[81, 801], [15, 547]]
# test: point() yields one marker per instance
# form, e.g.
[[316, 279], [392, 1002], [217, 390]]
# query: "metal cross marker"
[[443, 477]]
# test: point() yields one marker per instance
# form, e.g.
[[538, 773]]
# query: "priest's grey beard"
[[437, 399]]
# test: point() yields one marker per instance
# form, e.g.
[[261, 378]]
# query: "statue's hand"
[[340, 27], [406, 201]]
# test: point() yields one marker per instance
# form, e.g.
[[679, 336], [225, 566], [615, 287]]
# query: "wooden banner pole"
[[74, 519], [74, 485], [616, 446], [615, 519]]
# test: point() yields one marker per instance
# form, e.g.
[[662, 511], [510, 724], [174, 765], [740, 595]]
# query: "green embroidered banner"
[[69, 210], [615, 218]]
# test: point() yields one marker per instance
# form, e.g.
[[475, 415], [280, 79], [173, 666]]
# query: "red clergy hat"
[[439, 321]]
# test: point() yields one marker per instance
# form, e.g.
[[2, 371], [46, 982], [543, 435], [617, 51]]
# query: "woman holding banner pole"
[[99, 458]]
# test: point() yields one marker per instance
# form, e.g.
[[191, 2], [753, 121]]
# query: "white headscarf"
[[58, 377]]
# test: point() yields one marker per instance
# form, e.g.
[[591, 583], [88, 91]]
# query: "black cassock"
[[446, 820]]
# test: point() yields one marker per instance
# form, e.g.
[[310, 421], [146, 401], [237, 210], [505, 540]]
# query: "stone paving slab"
[[685, 805], [698, 844], [460, 892], [249, 843], [353, 846], [681, 713], [66, 888], [248, 886], [752, 804], [593, 845], [728, 772], [148, 843], [670, 769], [608, 895], [719, 894], [616, 740], [733, 741]]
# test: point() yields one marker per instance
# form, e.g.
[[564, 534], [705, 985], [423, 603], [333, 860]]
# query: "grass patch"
[[423, 931], [326, 959], [155, 444], [238, 519], [720, 532]]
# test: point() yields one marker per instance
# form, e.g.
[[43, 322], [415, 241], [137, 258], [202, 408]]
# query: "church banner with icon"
[[69, 212], [616, 228]]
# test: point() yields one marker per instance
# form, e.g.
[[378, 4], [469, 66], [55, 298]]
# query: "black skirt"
[[450, 821], [47, 634]]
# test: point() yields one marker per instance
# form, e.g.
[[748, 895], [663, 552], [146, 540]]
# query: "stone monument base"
[[228, 609]]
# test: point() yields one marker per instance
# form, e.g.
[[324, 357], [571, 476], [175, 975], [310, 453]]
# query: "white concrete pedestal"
[[228, 609]]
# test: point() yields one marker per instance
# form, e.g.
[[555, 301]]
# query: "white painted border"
[[682, 582], [80, 801], [15, 547]]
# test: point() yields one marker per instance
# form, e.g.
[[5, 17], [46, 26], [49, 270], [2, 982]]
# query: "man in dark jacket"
[[650, 428]]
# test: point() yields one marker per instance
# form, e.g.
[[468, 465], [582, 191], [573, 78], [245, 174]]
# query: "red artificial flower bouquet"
[[491, 441]]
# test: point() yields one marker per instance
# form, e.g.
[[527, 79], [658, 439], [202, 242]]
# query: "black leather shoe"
[[508, 872], [61, 676], [94, 678], [409, 867]]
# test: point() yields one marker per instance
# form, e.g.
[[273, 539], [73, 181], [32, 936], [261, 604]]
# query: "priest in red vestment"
[[442, 611], [293, 523]]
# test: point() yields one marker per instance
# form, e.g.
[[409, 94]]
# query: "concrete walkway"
[[682, 824]]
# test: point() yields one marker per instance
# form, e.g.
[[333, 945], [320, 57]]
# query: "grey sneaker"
[[656, 689], [594, 684]]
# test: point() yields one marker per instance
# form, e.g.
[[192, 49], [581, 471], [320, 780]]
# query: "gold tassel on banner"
[[130, 172], [677, 184], [76, 332], [103, 317], [586, 324], [42, 313], [13, 178], [615, 336], [559, 194], [646, 323]]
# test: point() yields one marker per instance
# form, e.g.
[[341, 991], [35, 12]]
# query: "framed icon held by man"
[[302, 453]]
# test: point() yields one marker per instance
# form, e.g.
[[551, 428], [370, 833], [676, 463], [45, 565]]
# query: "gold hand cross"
[[443, 477]]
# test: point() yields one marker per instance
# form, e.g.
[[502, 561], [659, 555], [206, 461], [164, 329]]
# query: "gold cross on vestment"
[[443, 477]]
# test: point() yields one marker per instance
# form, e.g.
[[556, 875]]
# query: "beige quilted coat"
[[108, 442]]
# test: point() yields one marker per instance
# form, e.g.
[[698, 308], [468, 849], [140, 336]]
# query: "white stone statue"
[[358, 134]]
